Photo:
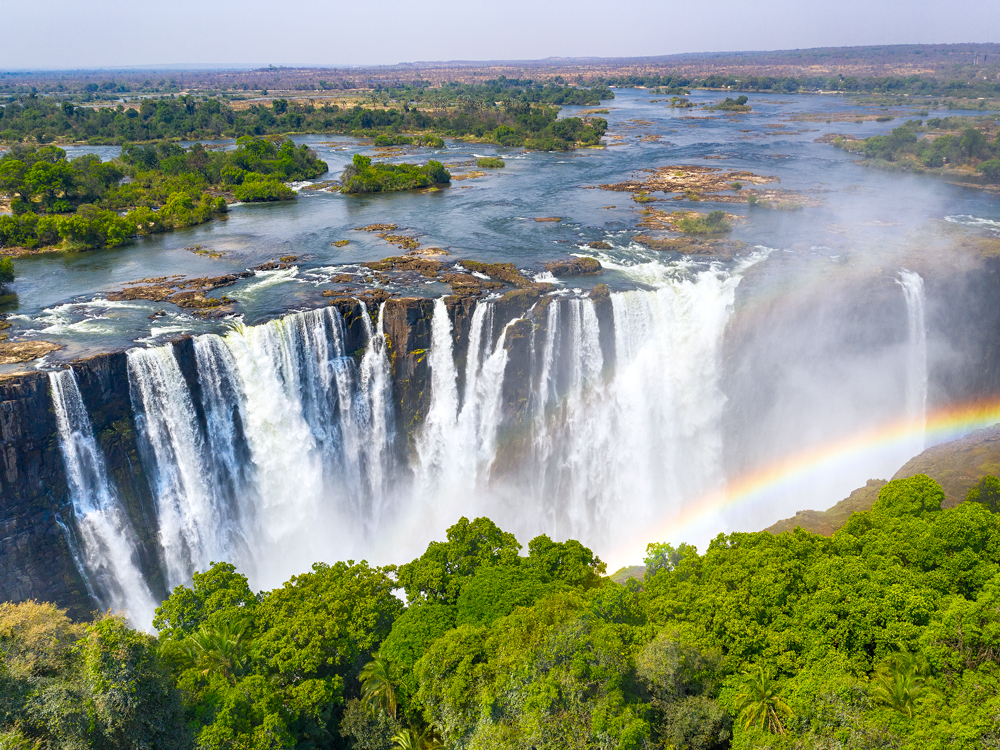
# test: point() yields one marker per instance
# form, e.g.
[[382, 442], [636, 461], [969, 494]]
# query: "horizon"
[[651, 59], [220, 34]]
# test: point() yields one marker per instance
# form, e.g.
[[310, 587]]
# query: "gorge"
[[360, 429]]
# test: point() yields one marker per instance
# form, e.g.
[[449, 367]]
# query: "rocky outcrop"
[[408, 327]]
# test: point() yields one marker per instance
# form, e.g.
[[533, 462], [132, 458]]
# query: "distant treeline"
[[912, 85], [513, 123]]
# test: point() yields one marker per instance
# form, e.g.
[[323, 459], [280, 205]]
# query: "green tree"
[[494, 591], [219, 646], [899, 683], [6, 271], [133, 697], [973, 142], [662, 556], [759, 703], [411, 635], [915, 496], [219, 590], [378, 687], [985, 492], [320, 623], [568, 562], [439, 574]]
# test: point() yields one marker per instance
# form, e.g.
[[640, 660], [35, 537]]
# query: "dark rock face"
[[408, 328], [104, 387], [798, 351], [963, 311], [35, 557]]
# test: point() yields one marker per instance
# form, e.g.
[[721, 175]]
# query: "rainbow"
[[941, 426]]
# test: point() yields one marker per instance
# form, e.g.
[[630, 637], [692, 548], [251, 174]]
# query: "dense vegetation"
[[516, 121], [886, 635], [951, 141], [912, 85], [713, 223], [732, 105], [510, 90], [361, 176], [87, 203], [6, 272]]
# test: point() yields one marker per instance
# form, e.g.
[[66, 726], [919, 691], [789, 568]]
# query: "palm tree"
[[411, 739], [900, 682], [219, 648], [759, 703], [378, 688]]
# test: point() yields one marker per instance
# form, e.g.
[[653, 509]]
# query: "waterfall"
[[611, 454], [916, 355], [277, 446], [177, 461], [108, 560], [296, 447], [456, 448]]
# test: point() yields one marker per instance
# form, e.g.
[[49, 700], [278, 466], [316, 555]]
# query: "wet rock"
[[424, 266], [18, 352], [574, 267]]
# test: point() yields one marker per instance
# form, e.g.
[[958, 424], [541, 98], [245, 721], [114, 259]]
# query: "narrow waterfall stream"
[[108, 559], [916, 366]]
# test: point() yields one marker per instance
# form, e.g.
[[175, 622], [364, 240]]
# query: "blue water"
[[60, 297]]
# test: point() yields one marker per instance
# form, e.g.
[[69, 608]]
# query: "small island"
[[361, 176], [85, 203], [732, 105]]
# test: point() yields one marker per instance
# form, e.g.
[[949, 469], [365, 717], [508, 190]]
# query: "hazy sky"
[[108, 33]]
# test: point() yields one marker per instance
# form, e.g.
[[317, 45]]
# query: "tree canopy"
[[886, 634]]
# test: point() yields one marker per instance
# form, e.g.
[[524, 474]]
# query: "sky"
[[73, 34]]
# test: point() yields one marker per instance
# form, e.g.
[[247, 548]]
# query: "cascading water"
[[109, 559], [296, 446], [286, 453], [916, 364], [456, 448], [609, 446], [190, 525]]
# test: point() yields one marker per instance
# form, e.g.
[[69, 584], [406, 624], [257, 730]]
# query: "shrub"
[[714, 223], [262, 189], [990, 170], [490, 162]]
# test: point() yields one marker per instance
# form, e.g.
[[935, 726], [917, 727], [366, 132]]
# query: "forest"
[[951, 141], [912, 85], [885, 635], [361, 176], [516, 121], [85, 203]]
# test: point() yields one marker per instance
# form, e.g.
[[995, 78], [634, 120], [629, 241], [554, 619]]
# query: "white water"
[[296, 448], [109, 558], [177, 463], [916, 364], [286, 453]]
